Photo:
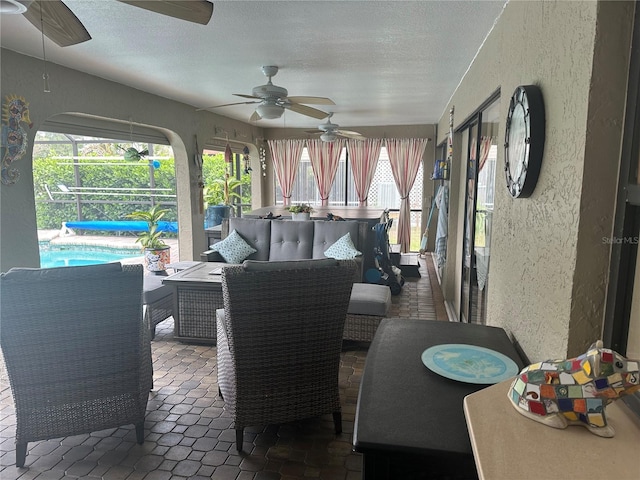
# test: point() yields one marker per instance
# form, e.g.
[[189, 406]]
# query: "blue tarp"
[[120, 225]]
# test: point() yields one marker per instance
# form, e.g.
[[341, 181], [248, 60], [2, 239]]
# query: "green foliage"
[[152, 238], [301, 208], [53, 170], [214, 174]]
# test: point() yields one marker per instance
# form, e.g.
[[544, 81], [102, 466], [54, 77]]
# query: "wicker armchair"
[[76, 349], [279, 340]]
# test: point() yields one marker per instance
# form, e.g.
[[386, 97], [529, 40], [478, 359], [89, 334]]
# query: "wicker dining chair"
[[76, 349], [279, 339]]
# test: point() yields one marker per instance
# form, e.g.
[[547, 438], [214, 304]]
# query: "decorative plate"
[[469, 363]]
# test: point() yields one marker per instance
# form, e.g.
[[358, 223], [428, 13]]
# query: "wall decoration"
[[559, 393], [524, 140], [15, 112], [246, 160], [262, 153]]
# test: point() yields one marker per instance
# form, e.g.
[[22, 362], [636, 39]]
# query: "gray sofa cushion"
[[254, 266], [327, 233], [256, 232], [291, 240]]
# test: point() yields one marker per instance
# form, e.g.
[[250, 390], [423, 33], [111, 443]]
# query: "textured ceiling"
[[381, 62]]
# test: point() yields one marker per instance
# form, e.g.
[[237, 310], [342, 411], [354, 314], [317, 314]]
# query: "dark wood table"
[[196, 296], [364, 214], [410, 421]]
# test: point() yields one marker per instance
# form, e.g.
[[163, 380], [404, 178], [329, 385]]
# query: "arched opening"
[[89, 175]]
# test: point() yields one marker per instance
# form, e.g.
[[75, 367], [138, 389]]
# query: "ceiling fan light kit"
[[329, 137], [270, 111]]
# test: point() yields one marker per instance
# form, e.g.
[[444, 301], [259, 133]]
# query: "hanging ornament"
[[228, 154], [133, 155], [262, 154], [245, 159]]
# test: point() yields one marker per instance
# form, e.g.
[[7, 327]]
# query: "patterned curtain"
[[325, 157], [286, 157], [405, 156], [363, 157], [485, 146]]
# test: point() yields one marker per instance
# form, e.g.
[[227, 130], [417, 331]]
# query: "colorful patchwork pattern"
[[575, 391]]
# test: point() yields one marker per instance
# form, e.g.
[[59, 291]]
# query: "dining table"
[[410, 420]]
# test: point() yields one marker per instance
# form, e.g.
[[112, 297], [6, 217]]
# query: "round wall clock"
[[524, 140]]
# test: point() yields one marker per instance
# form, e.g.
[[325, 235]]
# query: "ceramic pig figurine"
[[576, 391]]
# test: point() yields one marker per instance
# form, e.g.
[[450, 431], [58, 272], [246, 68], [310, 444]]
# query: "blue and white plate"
[[469, 363]]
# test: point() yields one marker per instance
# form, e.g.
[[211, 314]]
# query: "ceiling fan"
[[330, 132], [273, 100], [57, 22]]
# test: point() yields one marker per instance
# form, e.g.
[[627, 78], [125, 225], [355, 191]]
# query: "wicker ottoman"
[[158, 299], [369, 304]]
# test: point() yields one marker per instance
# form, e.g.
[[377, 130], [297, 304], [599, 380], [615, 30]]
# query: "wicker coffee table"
[[197, 294]]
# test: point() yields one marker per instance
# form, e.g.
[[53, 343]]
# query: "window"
[[382, 194]]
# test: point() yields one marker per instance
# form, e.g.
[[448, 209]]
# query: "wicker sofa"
[[282, 240], [279, 240]]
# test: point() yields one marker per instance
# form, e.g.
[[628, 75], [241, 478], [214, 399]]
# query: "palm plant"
[[152, 238]]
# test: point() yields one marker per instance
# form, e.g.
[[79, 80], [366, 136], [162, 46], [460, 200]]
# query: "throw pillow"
[[233, 248], [343, 249]]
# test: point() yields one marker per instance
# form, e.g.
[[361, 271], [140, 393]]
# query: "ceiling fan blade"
[[57, 22], [225, 105], [196, 11], [308, 111], [255, 117], [312, 100], [313, 132], [350, 134], [245, 96]]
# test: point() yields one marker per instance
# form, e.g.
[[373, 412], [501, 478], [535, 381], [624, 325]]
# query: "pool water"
[[77, 256]]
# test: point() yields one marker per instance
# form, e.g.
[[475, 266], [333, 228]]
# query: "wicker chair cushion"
[[233, 248], [153, 289], [256, 266], [21, 273], [369, 299], [343, 249]]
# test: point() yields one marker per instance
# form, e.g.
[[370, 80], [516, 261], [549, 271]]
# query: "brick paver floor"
[[188, 434]]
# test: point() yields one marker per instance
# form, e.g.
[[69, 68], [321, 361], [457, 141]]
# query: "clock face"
[[524, 140]]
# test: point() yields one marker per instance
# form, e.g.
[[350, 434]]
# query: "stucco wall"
[[72, 91], [548, 265]]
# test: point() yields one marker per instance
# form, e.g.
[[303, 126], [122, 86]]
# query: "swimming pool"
[[75, 255]]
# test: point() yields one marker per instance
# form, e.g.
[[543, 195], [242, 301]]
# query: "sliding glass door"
[[482, 151]]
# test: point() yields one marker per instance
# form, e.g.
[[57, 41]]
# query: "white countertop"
[[507, 445]]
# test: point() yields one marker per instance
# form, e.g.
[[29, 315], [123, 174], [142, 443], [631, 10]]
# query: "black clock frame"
[[528, 97]]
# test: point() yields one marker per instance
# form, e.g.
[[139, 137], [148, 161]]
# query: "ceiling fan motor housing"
[[269, 91]]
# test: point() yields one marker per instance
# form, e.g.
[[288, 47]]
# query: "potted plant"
[[300, 212], [218, 199], [157, 254]]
